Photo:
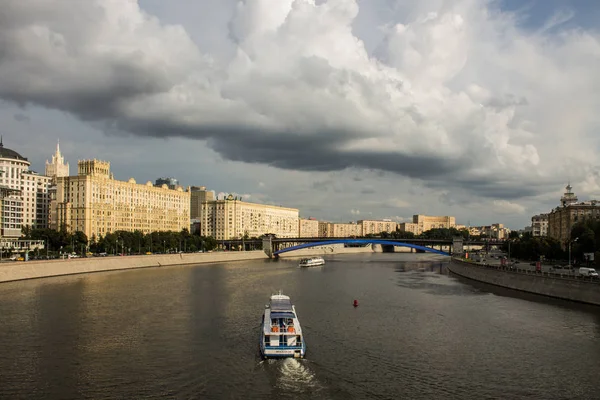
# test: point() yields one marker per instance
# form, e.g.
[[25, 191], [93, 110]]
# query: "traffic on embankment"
[[566, 286]]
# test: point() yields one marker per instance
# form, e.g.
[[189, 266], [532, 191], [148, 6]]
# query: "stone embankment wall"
[[19, 270], [581, 290]]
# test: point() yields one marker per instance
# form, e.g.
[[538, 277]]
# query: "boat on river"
[[280, 333], [312, 262]]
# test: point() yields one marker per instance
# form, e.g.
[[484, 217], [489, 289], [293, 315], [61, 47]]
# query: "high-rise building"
[[199, 195], [57, 167], [95, 203], [26, 204], [233, 218], [171, 183]]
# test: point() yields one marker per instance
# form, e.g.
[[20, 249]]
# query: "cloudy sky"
[[345, 109]]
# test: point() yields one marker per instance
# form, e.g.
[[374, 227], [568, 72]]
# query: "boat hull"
[[281, 351]]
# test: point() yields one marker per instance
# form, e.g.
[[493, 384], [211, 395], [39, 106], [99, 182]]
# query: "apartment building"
[[308, 228], [374, 227], [25, 194], [95, 203], [232, 218], [339, 230], [423, 223]]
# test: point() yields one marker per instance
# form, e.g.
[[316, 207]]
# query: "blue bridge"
[[382, 242]]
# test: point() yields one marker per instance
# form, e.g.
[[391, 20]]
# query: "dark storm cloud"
[[304, 99], [21, 117]]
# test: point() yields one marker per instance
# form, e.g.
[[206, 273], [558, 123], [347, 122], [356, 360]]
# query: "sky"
[[344, 109]]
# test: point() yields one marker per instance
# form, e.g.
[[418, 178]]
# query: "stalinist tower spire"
[[57, 167]]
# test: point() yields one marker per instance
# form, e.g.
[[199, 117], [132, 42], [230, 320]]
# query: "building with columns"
[[95, 203]]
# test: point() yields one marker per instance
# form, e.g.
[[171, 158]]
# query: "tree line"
[[121, 242], [584, 239]]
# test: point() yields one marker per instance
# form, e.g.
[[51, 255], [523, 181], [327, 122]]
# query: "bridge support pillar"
[[457, 246], [268, 246]]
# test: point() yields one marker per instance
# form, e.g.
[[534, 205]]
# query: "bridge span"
[[382, 242]]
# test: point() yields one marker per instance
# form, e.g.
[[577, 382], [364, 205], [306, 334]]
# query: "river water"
[[192, 333]]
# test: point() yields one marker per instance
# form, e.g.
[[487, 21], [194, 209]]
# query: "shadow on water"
[[517, 294], [431, 277]]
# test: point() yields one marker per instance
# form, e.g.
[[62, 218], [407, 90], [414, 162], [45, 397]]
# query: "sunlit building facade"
[[232, 218], [95, 203], [308, 228]]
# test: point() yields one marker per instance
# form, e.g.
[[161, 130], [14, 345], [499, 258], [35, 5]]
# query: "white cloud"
[[506, 207], [355, 212]]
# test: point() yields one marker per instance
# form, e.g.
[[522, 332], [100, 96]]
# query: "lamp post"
[[570, 242]]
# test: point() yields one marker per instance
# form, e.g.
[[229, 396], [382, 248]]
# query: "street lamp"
[[570, 242]]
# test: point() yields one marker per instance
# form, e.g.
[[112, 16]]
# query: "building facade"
[[232, 218], [308, 228], [199, 195], [375, 227], [562, 219], [423, 223], [539, 225], [494, 231], [339, 230], [26, 201], [57, 167], [95, 203]]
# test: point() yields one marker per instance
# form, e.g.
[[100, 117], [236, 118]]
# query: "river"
[[191, 332]]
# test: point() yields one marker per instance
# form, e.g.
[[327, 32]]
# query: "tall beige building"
[[95, 203], [308, 228], [423, 223], [374, 227], [57, 167], [199, 195], [232, 218]]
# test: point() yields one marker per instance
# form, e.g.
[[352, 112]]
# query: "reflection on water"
[[192, 333]]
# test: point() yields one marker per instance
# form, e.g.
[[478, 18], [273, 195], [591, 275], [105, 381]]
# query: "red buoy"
[[355, 303]]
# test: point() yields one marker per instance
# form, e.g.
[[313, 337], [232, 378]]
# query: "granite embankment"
[[584, 290], [19, 270]]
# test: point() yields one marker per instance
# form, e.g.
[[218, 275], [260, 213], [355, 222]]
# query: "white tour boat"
[[312, 262], [281, 334]]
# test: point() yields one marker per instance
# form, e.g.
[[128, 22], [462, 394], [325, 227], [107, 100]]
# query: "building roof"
[[8, 153]]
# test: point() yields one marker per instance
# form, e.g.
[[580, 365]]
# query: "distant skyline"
[[344, 109]]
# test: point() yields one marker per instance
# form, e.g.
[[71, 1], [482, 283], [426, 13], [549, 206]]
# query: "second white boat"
[[312, 262]]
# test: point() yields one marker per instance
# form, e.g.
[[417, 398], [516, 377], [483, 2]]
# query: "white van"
[[588, 272]]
